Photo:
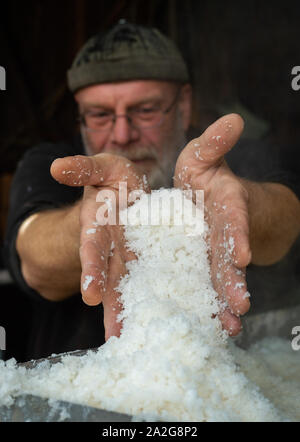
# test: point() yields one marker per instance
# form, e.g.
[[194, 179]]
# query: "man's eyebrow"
[[93, 106], [154, 99]]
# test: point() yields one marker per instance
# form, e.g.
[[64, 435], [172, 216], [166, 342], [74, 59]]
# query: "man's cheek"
[[95, 145], [153, 139]]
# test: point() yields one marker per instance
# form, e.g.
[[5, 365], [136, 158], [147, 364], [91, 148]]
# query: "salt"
[[172, 361], [88, 279], [90, 231]]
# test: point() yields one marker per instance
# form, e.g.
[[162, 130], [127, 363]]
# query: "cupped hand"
[[201, 165], [103, 253]]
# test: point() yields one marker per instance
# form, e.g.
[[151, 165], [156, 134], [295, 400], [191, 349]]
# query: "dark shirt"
[[70, 324]]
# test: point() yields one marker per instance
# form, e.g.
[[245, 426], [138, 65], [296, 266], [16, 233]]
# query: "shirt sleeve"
[[262, 161], [33, 190]]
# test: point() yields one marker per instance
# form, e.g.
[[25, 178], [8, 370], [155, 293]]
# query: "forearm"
[[274, 219], [48, 247]]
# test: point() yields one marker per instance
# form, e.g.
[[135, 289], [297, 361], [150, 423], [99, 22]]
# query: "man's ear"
[[185, 105]]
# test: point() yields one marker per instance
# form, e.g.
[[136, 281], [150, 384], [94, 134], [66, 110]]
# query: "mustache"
[[136, 153]]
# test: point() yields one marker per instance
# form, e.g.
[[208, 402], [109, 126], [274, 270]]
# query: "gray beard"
[[161, 176]]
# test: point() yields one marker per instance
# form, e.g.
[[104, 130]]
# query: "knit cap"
[[127, 52]]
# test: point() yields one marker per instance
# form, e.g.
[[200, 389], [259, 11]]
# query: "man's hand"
[[201, 165], [103, 254]]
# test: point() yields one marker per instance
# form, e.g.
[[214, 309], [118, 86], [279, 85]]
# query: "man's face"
[[154, 150]]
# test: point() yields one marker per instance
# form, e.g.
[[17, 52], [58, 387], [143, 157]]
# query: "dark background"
[[237, 52], [240, 56]]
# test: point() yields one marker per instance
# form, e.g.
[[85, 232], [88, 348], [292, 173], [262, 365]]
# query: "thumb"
[[208, 150], [99, 170]]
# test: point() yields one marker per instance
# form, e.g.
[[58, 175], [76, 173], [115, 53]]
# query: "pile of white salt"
[[172, 361]]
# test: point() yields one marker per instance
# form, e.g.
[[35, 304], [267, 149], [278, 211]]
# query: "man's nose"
[[123, 132]]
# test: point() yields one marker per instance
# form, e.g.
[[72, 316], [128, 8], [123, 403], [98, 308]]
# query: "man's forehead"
[[138, 91]]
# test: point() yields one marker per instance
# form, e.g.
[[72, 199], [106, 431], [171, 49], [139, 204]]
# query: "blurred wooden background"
[[240, 55]]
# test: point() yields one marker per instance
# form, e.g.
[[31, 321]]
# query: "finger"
[[229, 221], [234, 236], [229, 281], [112, 309], [204, 152], [111, 301], [238, 246], [98, 170], [236, 292], [118, 258], [94, 264], [230, 322], [230, 284]]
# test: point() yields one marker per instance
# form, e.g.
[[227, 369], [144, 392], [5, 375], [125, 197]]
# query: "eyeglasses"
[[140, 118]]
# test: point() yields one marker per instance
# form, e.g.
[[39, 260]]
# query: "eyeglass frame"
[[81, 118]]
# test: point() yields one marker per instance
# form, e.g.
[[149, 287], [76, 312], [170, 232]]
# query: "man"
[[134, 99]]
